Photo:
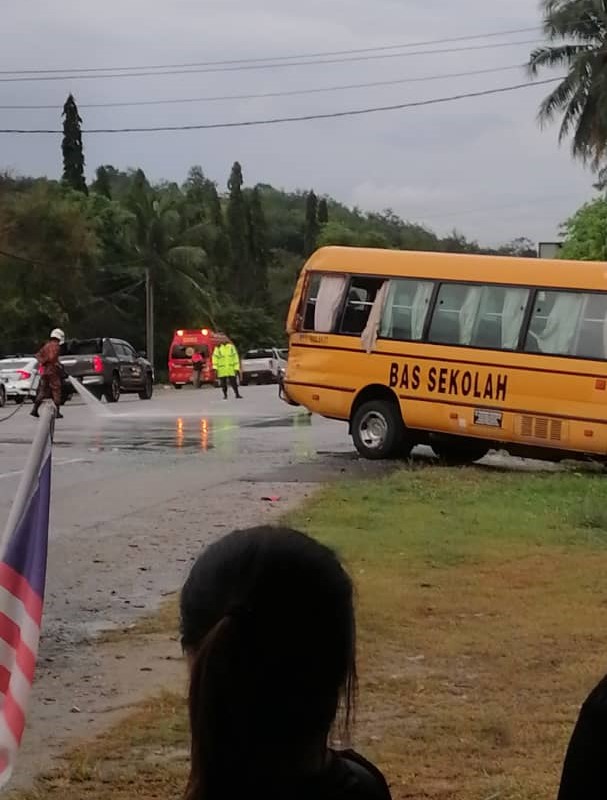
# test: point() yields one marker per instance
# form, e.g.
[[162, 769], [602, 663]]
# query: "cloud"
[[482, 164]]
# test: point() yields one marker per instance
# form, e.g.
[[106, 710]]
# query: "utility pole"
[[149, 316]]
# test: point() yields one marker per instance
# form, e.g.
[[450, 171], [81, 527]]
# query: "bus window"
[[324, 300], [592, 338], [361, 295], [310, 301], [554, 323], [406, 309], [479, 316], [500, 316], [569, 324], [455, 314]]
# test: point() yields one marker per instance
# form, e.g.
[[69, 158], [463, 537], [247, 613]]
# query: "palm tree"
[[166, 249], [577, 34]]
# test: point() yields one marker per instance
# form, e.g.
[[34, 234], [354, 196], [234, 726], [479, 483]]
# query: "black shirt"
[[348, 776]]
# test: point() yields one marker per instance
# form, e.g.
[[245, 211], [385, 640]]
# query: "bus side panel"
[[532, 404], [323, 379], [525, 405]]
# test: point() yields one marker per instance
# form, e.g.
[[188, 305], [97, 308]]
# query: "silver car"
[[19, 377]]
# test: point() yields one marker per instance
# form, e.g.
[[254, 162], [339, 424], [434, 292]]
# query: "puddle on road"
[[146, 431], [301, 420], [225, 435], [179, 434]]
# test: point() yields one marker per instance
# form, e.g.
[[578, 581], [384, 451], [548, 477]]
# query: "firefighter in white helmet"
[[50, 368]]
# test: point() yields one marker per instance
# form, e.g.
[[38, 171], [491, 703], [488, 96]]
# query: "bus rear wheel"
[[454, 453], [378, 430]]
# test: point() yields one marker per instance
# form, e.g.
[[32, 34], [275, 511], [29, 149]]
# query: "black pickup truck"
[[108, 368]]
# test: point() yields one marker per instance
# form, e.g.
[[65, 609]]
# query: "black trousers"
[[231, 381]]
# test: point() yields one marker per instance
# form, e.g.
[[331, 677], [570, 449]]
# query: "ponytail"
[[207, 670]]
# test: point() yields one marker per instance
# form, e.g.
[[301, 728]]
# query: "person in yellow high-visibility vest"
[[227, 366]]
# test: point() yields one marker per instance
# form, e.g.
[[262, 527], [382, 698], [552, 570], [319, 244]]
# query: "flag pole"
[[35, 458]]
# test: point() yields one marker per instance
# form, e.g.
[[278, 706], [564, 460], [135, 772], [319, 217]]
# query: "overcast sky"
[[479, 164]]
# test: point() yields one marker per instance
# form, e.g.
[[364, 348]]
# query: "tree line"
[[76, 254]]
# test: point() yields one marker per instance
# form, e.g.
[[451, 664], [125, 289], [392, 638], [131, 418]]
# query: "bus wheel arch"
[[376, 424]]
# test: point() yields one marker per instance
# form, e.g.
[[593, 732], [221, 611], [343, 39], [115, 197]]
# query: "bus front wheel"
[[378, 430]]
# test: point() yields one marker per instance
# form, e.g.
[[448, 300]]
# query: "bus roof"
[[461, 266]]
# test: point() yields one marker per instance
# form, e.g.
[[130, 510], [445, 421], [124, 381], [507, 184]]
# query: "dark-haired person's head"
[[267, 622], [585, 769]]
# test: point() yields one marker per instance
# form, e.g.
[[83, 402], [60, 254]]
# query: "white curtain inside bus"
[[513, 312], [369, 335], [387, 321], [468, 314], [328, 302], [405, 309], [561, 326], [419, 309]]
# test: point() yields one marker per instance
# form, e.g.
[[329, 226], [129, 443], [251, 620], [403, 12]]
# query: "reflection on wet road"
[[187, 433]]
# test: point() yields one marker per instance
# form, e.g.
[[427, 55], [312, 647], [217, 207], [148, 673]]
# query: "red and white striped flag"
[[23, 556]]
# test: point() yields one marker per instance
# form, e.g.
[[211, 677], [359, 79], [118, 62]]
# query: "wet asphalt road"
[[188, 438], [139, 487]]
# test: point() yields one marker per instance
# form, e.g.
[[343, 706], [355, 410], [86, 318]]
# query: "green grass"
[[481, 607], [442, 517]]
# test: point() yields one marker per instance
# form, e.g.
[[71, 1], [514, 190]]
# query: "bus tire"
[[177, 386], [378, 430], [457, 454]]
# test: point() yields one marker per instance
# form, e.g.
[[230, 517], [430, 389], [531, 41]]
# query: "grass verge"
[[481, 605]]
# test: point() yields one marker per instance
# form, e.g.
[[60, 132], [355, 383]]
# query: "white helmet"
[[58, 334]]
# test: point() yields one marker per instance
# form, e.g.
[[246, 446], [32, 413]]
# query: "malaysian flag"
[[22, 578]]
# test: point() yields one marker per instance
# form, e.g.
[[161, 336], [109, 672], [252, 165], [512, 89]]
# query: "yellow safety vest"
[[226, 361]]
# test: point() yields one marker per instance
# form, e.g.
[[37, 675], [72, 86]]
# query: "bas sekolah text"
[[449, 381]]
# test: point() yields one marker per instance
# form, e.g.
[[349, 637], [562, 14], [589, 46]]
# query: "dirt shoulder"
[[87, 683], [480, 610], [480, 607]]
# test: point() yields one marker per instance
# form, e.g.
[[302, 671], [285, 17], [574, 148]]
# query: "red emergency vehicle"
[[185, 343]]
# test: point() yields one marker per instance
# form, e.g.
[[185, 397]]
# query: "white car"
[[261, 365], [19, 377], [279, 363]]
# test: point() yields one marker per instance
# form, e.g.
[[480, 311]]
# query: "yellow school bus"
[[465, 353]]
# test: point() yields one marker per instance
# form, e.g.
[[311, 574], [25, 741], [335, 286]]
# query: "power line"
[[265, 95], [303, 118], [264, 66], [325, 53]]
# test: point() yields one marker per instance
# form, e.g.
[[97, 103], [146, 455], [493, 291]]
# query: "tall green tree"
[[585, 238], [312, 227], [577, 39], [49, 283], [204, 216], [237, 233], [72, 148], [102, 184], [323, 211], [258, 247], [173, 270]]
